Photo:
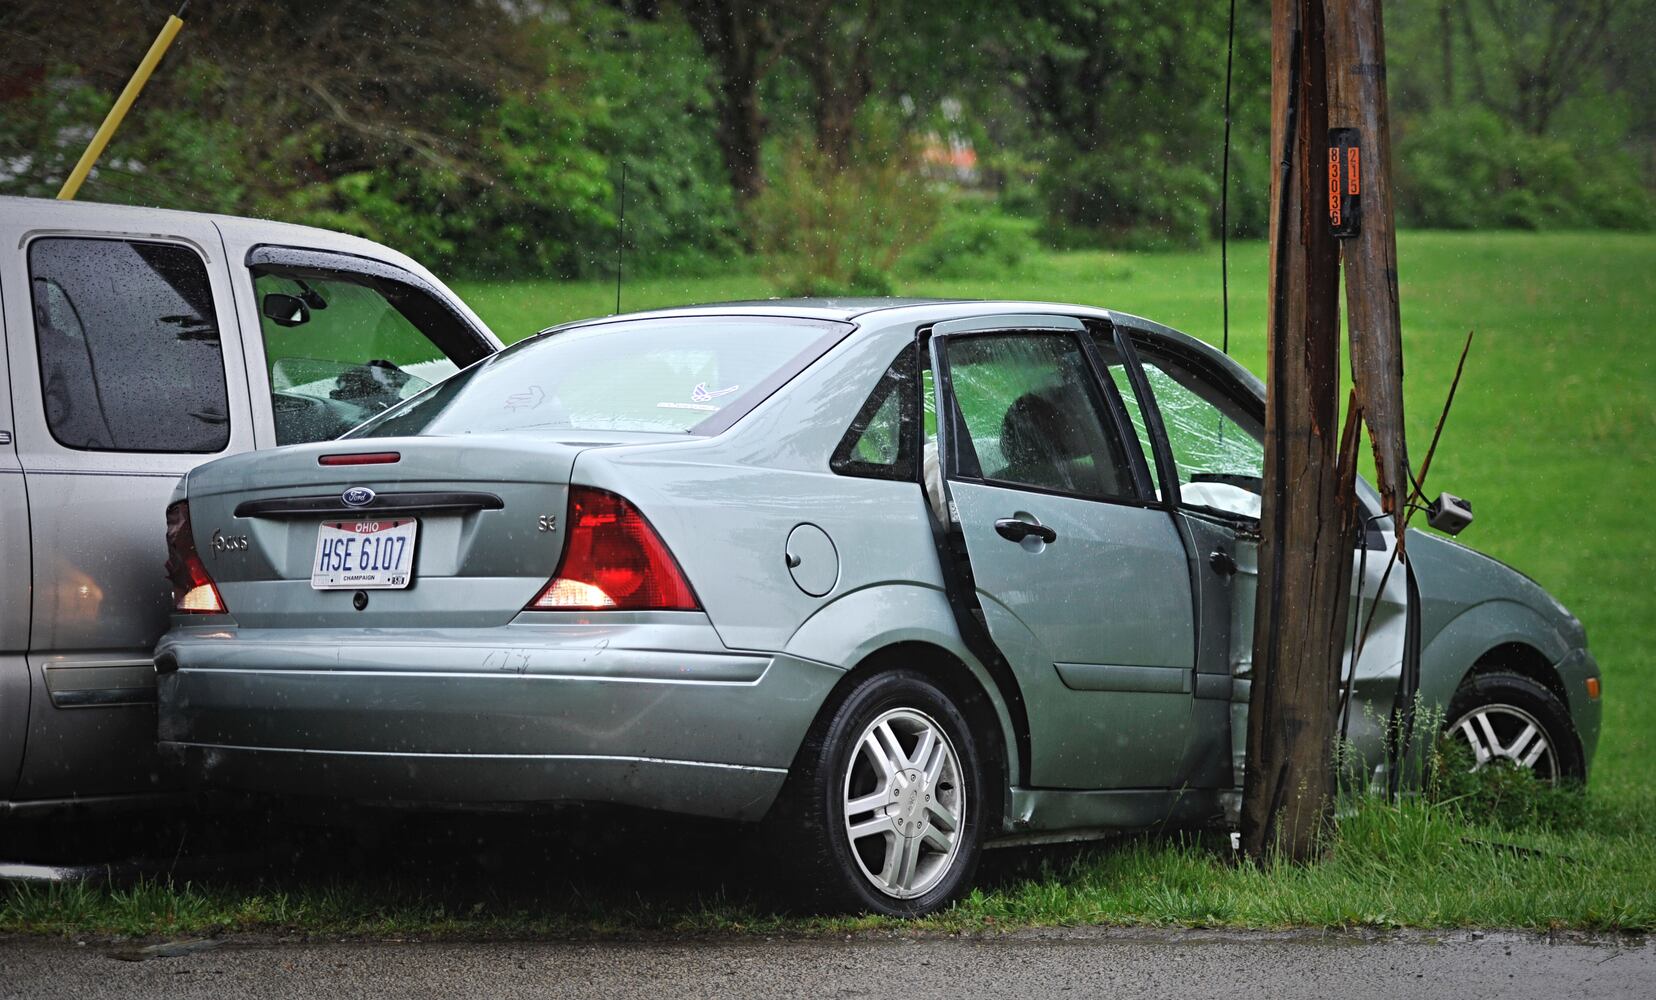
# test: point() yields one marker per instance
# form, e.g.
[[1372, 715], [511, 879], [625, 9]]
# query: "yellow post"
[[112, 121]]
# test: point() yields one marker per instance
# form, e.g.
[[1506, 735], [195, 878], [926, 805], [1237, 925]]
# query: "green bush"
[[537, 197], [651, 83], [1466, 168], [973, 241], [825, 229], [492, 183], [538, 194], [1131, 197], [164, 155]]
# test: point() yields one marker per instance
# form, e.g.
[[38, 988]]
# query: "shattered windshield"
[[1205, 440]]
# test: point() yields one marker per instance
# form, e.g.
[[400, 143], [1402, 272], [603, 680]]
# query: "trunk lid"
[[489, 511]]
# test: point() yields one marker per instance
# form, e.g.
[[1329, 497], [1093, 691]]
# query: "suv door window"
[[338, 351], [130, 357], [1034, 416]]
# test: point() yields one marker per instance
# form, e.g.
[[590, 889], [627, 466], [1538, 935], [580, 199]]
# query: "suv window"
[[338, 352], [130, 358], [1035, 416]]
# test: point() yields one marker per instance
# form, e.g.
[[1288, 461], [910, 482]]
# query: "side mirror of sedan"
[[1449, 513]]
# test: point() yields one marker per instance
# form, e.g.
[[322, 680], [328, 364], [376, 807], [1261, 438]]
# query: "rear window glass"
[[664, 375]]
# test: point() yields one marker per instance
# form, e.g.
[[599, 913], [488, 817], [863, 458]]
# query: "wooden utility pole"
[[1329, 125], [1307, 521]]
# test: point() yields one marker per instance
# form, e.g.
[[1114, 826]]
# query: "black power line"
[[1224, 186]]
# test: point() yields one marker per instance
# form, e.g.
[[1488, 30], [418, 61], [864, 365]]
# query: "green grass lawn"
[[1543, 439]]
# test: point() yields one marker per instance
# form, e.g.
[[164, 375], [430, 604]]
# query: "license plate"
[[364, 555]]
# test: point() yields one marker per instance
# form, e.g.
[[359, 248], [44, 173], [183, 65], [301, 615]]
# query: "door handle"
[[1016, 529]]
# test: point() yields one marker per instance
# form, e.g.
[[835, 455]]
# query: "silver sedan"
[[901, 579]]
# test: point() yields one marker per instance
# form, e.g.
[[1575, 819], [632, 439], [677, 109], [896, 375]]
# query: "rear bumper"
[[723, 791], [649, 710]]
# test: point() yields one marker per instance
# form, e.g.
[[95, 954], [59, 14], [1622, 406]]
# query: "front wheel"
[[1506, 717], [885, 809]]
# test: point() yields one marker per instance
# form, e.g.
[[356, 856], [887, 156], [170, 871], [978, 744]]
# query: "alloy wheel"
[[1506, 732], [905, 803]]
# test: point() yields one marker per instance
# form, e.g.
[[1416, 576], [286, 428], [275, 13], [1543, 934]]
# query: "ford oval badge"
[[357, 496]]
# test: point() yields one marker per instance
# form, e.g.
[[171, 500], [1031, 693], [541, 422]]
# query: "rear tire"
[[1507, 716], [884, 811]]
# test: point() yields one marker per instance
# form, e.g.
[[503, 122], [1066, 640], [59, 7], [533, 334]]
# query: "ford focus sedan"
[[904, 579]]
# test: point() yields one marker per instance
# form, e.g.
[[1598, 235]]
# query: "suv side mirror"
[[285, 310], [1449, 513]]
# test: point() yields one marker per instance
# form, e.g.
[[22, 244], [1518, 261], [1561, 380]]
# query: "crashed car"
[[903, 578]]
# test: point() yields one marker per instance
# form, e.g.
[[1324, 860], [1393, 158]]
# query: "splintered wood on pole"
[[1357, 101], [1308, 518]]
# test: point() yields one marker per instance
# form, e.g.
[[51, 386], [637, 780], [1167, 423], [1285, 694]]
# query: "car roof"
[[846, 307], [848, 310], [139, 220], [896, 311]]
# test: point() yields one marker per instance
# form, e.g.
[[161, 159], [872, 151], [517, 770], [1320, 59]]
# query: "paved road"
[[1044, 965]]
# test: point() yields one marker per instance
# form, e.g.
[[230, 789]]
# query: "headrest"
[[1035, 429]]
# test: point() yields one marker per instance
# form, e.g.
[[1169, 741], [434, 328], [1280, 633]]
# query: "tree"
[[1548, 53], [741, 39], [1125, 106], [835, 46], [360, 82]]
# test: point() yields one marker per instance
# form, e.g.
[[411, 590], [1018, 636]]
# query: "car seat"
[[1041, 445]]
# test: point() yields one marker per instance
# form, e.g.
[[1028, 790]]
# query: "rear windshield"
[[663, 375]]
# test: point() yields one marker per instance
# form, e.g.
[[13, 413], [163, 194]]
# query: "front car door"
[[1080, 574], [1206, 430], [1205, 442]]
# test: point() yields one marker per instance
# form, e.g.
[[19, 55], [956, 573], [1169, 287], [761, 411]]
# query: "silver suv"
[[139, 343]]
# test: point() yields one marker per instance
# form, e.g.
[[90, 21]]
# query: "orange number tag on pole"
[[1344, 182]]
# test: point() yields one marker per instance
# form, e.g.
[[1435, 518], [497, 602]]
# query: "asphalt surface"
[[1035, 964]]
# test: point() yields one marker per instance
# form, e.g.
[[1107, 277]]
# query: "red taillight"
[[361, 458], [613, 561], [193, 590]]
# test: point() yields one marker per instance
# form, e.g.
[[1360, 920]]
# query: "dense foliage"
[[490, 138], [823, 228]]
